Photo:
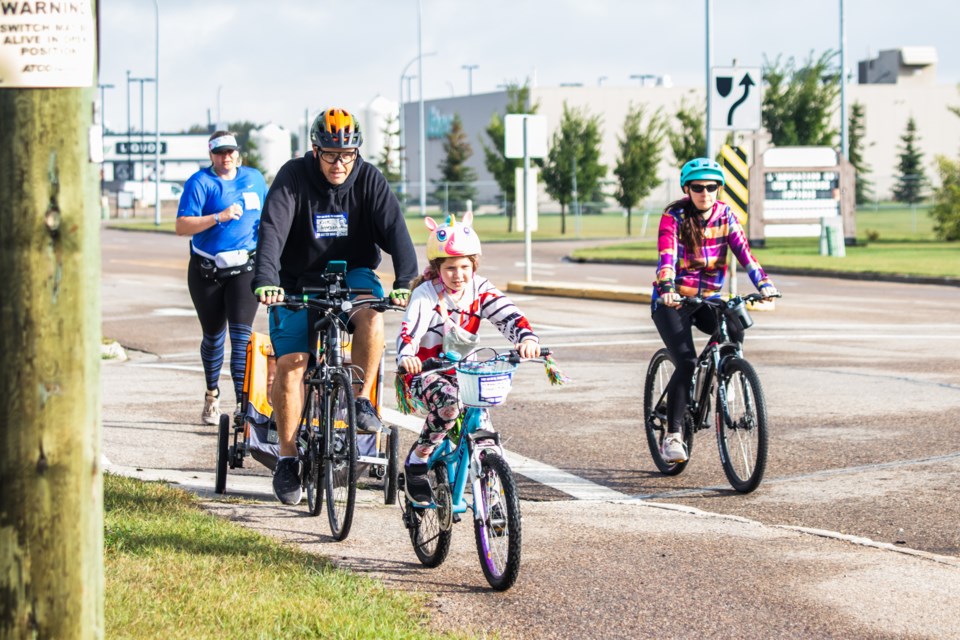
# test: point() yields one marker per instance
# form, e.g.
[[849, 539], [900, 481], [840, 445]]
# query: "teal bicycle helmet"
[[701, 169]]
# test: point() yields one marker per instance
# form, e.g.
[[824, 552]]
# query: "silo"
[[374, 118], [273, 147]]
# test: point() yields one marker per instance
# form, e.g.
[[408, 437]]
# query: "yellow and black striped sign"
[[735, 173]]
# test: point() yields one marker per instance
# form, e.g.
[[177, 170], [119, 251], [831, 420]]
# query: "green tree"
[[688, 140], [798, 102], [946, 207], [911, 178], [456, 184], [387, 160], [640, 151], [575, 144], [503, 169], [856, 132]]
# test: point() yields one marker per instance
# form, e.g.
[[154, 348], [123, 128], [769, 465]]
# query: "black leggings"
[[674, 326], [219, 303]]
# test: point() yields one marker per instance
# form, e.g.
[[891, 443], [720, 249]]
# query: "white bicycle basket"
[[484, 384]]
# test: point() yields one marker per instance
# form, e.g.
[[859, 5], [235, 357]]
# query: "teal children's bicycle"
[[470, 459]]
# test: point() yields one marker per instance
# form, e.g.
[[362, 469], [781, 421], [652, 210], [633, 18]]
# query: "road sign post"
[[525, 136], [735, 98]]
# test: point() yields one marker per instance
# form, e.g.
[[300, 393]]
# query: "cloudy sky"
[[270, 61]]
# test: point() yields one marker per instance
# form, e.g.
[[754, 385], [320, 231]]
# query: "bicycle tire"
[[340, 458], [498, 534], [313, 460], [223, 454], [430, 530], [392, 472], [655, 419], [742, 426]]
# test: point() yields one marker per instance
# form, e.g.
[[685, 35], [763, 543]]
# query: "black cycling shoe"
[[367, 418], [286, 481], [416, 485]]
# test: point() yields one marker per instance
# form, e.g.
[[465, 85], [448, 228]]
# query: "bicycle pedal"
[[456, 518]]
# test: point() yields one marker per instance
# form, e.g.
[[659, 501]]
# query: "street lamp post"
[[642, 77], [103, 110], [128, 112], [469, 68], [219, 121], [143, 177], [423, 133], [403, 148], [156, 107]]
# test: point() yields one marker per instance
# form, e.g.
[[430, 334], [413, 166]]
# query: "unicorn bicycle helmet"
[[452, 239], [335, 129], [701, 169]]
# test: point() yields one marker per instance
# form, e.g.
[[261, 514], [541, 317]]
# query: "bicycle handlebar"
[[443, 362], [717, 302], [325, 305]]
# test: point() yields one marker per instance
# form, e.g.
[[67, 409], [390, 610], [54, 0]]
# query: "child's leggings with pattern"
[[440, 394]]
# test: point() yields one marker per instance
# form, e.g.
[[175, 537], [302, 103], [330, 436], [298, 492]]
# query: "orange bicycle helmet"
[[335, 129]]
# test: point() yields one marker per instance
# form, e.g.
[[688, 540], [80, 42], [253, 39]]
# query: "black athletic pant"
[[675, 327], [219, 304]]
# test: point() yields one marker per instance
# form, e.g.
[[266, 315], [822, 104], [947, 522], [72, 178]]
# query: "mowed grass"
[[891, 240], [174, 571]]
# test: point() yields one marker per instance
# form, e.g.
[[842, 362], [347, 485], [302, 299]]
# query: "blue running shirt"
[[205, 193]]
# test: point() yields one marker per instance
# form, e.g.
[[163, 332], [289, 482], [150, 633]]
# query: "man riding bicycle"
[[328, 205]]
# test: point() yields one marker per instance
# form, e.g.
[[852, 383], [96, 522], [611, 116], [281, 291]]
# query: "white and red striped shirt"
[[421, 332]]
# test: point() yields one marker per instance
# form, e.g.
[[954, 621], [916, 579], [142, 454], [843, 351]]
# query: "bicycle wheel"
[[223, 453], [498, 533], [431, 528], [656, 419], [742, 428], [312, 459], [392, 472], [340, 461]]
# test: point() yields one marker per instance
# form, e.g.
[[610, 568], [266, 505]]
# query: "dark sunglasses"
[[699, 188], [222, 152]]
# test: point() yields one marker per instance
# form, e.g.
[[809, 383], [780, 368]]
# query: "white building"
[[902, 85]]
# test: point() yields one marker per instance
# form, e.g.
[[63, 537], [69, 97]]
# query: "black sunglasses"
[[699, 188]]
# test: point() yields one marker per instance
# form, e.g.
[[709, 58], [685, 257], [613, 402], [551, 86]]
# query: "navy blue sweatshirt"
[[308, 222]]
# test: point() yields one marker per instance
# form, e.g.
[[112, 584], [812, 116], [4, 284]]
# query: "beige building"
[[895, 86]]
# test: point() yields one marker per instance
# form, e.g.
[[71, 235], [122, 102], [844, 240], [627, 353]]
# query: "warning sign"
[[47, 43]]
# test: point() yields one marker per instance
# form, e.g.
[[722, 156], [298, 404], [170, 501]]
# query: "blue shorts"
[[289, 329]]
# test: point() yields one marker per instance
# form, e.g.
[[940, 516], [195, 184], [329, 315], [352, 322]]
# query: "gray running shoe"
[[211, 407], [673, 450], [367, 418], [286, 481]]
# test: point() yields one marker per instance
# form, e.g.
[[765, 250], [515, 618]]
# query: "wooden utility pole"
[[51, 492]]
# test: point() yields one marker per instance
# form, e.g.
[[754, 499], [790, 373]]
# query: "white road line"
[[575, 486]]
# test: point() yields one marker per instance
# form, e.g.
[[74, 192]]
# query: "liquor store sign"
[[47, 43], [801, 185]]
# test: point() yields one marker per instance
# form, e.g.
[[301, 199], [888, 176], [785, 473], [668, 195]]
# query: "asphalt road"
[[855, 531]]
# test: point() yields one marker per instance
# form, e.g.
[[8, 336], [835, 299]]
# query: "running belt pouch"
[[211, 269]]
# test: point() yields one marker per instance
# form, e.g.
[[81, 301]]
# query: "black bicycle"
[[721, 374], [327, 437]]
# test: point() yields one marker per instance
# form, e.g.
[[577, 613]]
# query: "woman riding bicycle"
[[695, 235], [447, 304]]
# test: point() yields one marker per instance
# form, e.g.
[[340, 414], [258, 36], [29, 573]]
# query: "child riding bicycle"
[[696, 234], [444, 312]]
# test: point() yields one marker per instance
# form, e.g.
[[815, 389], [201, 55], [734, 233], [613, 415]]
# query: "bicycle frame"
[[463, 460]]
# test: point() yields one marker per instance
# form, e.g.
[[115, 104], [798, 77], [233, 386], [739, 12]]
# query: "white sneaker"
[[211, 407], [673, 449]]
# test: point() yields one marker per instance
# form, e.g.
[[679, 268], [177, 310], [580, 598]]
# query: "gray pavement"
[[608, 550]]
